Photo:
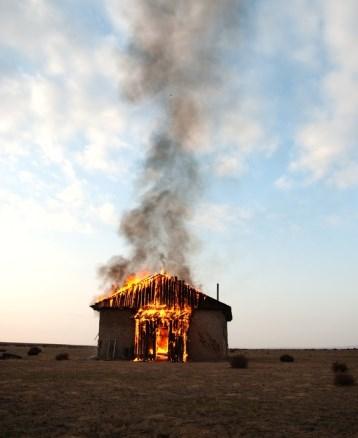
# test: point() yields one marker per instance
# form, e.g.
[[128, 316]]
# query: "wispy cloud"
[[60, 119], [242, 131], [326, 144], [283, 183], [220, 217], [63, 94]]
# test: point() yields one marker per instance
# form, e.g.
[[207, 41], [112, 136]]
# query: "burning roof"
[[159, 290]]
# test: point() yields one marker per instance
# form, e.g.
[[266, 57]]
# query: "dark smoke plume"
[[172, 59]]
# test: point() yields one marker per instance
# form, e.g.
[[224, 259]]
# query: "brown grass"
[[126, 399]]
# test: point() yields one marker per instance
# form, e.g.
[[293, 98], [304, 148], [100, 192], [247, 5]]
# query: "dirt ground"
[[42, 397]]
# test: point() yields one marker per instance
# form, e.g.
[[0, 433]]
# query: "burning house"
[[172, 64], [160, 317]]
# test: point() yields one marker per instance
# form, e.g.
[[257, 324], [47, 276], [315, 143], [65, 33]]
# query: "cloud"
[[242, 132], [67, 210], [289, 29], [65, 92], [219, 217], [283, 183], [346, 176], [303, 53], [60, 106], [25, 213], [333, 220], [108, 214], [326, 144], [62, 125]]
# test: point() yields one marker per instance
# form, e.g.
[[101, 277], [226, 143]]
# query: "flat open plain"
[[43, 397]]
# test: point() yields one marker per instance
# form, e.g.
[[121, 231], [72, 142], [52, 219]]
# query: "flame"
[[162, 341], [133, 279]]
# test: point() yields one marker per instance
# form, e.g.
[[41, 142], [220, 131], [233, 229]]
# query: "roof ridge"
[[141, 286], [125, 287]]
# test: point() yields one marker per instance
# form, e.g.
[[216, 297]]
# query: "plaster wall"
[[207, 336], [116, 334]]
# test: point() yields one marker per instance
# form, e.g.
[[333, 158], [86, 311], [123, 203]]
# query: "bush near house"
[[339, 367], [238, 361], [5, 356], [344, 379], [287, 358], [62, 356], [34, 351]]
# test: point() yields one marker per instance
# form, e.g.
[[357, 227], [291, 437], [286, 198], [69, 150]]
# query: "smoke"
[[172, 59]]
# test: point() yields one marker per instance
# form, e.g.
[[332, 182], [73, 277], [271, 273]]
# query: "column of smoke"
[[172, 59]]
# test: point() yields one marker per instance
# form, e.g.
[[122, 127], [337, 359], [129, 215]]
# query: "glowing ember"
[[162, 342]]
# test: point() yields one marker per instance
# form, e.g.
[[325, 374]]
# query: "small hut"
[[162, 318]]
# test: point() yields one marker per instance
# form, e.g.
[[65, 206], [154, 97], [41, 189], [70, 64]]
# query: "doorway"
[[162, 342]]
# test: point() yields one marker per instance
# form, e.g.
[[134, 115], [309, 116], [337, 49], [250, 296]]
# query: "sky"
[[277, 221]]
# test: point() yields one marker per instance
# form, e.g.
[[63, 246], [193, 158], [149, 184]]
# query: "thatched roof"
[[160, 289]]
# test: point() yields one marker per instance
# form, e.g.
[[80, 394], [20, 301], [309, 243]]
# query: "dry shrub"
[[339, 367], [238, 361], [34, 351], [287, 358], [62, 356], [343, 379], [94, 357], [5, 356]]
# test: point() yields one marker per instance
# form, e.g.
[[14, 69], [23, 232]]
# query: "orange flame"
[[131, 280], [135, 278]]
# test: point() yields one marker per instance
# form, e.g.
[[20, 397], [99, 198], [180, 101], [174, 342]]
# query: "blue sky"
[[277, 221]]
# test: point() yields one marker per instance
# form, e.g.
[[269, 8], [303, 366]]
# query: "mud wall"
[[116, 334], [207, 336]]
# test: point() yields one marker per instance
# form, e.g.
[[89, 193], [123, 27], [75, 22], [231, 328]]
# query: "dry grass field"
[[43, 397]]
